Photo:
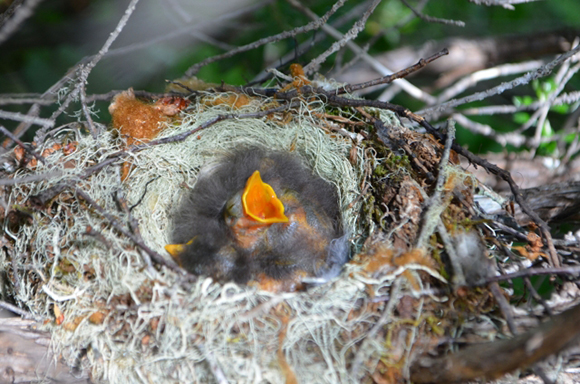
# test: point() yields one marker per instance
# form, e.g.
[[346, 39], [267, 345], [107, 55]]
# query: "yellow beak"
[[261, 203], [175, 249]]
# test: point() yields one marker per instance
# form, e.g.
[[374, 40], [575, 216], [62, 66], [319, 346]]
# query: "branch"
[[191, 71], [20, 14], [314, 65], [404, 84], [85, 70], [397, 75], [492, 360], [431, 19], [136, 239], [522, 80]]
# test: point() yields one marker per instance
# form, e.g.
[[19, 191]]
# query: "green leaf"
[[548, 148], [547, 130], [569, 138], [521, 117], [562, 108]]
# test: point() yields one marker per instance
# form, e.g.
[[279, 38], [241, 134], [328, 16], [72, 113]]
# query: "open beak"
[[261, 203]]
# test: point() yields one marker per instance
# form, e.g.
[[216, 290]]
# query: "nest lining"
[[154, 325]]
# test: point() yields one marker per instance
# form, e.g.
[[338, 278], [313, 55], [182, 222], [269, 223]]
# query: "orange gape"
[[261, 203]]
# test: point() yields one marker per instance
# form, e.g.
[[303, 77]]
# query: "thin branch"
[[17, 310], [314, 65], [522, 80], [487, 74], [6, 99], [397, 75], [374, 63], [564, 98], [23, 12], [431, 19], [30, 178], [435, 206], [316, 24], [24, 146], [85, 70], [507, 4], [310, 42], [566, 271], [492, 360], [535, 143], [87, 112], [16, 116], [137, 240], [512, 138]]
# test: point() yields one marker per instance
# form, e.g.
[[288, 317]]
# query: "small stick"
[[154, 255], [397, 75], [24, 146]]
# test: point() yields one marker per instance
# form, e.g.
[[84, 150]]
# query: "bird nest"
[[86, 227]]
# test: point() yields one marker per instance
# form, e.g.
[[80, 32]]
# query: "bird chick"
[[259, 215]]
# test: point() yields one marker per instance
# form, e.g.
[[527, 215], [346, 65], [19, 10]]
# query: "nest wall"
[[127, 321]]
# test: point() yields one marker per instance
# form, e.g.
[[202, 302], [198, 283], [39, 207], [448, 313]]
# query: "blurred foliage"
[[62, 32]]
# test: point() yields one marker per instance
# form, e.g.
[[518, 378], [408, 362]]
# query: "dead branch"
[[540, 72], [316, 24], [495, 359], [19, 12]]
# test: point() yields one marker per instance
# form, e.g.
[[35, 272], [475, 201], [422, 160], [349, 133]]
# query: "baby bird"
[[262, 216]]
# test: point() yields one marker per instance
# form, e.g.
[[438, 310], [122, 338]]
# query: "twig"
[[512, 138], [138, 242], [532, 272], [303, 47], [507, 4], [487, 74], [85, 70], [8, 99], [21, 13], [504, 306], [397, 75], [270, 39], [16, 116], [314, 65], [431, 19], [535, 143], [375, 64], [30, 178], [522, 80], [24, 146], [17, 310], [87, 112], [435, 205], [492, 360]]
